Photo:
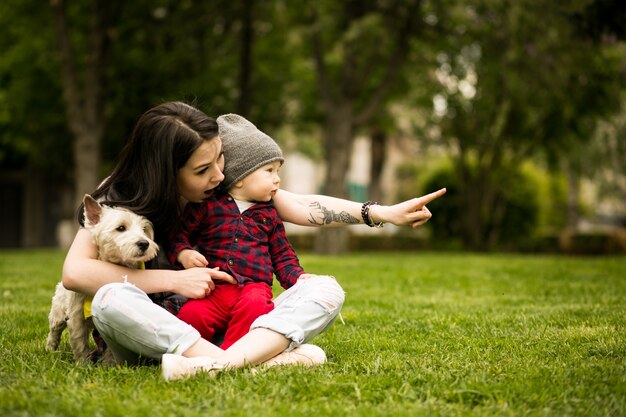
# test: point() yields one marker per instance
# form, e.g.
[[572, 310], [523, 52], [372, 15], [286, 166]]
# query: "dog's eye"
[[121, 228]]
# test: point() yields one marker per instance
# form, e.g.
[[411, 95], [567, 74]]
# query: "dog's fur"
[[122, 237]]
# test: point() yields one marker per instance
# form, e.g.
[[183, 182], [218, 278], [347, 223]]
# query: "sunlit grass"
[[425, 334]]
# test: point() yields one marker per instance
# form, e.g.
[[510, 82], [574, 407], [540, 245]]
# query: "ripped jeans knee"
[[305, 310], [132, 325]]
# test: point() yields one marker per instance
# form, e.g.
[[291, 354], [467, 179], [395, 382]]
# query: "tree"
[[110, 77], [30, 133], [358, 50], [515, 80], [83, 81]]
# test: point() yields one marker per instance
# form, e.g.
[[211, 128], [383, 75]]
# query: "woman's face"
[[203, 171]]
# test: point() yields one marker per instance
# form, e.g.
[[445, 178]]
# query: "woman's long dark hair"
[[144, 179]]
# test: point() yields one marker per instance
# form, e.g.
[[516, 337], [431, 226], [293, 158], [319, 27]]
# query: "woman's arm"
[[83, 272], [320, 210]]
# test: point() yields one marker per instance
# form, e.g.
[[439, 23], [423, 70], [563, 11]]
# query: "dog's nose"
[[143, 245]]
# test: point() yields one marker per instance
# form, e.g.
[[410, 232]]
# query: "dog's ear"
[[93, 211]]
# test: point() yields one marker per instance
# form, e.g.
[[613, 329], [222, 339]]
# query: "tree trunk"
[[573, 187], [83, 100], [86, 162], [467, 199], [338, 140], [472, 197], [494, 229], [244, 101], [472, 222], [378, 157]]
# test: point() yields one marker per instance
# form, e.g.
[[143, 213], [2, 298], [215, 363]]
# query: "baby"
[[238, 230]]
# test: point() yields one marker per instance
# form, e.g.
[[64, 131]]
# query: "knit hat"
[[245, 148]]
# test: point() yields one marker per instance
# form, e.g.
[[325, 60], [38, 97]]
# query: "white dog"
[[122, 237]]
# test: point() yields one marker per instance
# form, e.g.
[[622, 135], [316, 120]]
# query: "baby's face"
[[260, 185]]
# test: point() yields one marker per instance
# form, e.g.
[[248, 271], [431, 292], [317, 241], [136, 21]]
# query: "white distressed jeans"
[[133, 326]]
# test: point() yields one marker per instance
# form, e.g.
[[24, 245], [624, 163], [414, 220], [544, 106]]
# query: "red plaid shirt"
[[251, 246]]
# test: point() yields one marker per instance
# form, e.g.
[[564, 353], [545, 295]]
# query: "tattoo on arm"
[[320, 215]]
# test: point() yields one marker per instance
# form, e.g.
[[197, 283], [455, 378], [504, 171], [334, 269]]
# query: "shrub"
[[518, 189]]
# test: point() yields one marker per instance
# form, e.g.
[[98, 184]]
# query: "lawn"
[[424, 334]]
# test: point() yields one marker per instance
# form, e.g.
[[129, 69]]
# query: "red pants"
[[228, 307]]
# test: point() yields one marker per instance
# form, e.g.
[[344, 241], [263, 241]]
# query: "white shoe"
[[305, 355], [177, 366]]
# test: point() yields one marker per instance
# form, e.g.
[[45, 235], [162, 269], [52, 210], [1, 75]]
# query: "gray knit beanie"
[[245, 147]]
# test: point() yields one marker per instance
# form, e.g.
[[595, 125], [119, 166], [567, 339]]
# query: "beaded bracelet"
[[365, 213]]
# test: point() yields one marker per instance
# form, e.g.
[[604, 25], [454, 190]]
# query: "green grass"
[[425, 334]]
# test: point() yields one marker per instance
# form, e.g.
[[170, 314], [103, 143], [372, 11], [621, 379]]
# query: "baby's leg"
[[210, 314], [255, 299], [300, 313]]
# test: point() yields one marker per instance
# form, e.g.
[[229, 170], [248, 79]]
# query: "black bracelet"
[[365, 213]]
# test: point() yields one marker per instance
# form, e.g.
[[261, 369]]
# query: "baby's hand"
[[190, 258]]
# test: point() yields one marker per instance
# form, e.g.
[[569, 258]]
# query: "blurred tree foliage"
[[509, 79], [33, 130], [512, 80]]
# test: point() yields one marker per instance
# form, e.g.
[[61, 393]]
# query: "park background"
[[517, 107], [498, 306]]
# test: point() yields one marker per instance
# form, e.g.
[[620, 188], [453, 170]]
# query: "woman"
[[173, 157]]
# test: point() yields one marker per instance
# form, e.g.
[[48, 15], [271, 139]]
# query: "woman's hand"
[[413, 212], [198, 282], [84, 273]]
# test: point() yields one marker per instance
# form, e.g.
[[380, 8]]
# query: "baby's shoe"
[[177, 366], [306, 355]]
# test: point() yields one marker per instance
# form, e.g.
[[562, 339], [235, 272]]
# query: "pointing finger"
[[430, 197]]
